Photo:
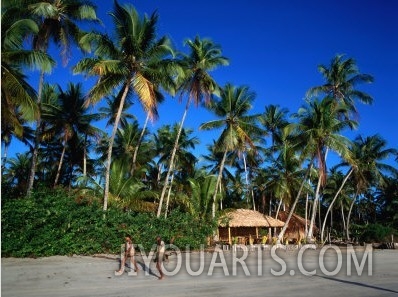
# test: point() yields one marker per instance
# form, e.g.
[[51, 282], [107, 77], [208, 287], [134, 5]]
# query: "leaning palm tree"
[[58, 21], [319, 126], [232, 109], [369, 154], [197, 83], [134, 61]]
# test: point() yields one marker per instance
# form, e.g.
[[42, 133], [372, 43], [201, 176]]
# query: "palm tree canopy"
[[18, 103], [204, 56], [137, 59], [341, 78], [58, 20], [232, 108]]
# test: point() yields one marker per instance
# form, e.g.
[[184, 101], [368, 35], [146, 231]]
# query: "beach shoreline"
[[225, 273]]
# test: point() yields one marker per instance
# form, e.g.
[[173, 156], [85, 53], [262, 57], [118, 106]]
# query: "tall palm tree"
[[232, 109], [18, 97], [58, 22], [341, 78], [134, 61], [336, 190], [319, 128], [197, 83]]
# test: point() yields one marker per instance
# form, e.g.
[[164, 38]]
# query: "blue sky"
[[275, 47]]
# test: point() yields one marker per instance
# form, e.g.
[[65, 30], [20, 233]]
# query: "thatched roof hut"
[[296, 227], [243, 223]]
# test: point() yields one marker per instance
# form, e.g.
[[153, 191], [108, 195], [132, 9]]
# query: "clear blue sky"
[[275, 47]]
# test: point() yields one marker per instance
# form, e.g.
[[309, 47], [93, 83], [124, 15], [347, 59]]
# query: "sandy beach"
[[327, 272]]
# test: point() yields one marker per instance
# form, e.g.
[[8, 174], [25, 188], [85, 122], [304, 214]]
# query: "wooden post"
[[229, 236]]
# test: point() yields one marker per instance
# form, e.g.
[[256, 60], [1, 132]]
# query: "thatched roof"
[[248, 218], [296, 222]]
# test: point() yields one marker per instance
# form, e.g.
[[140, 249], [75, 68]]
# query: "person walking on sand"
[[128, 250], [160, 249]]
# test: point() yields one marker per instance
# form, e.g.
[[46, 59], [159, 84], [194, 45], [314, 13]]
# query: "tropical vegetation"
[[79, 189]]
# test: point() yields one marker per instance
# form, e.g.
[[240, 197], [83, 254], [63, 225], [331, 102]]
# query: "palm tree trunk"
[[213, 210], [342, 214], [168, 196], [85, 156], [282, 233], [306, 215], [317, 198], [171, 164], [333, 200], [35, 152], [278, 209], [221, 206], [314, 210], [139, 144], [349, 216], [61, 160], [110, 145]]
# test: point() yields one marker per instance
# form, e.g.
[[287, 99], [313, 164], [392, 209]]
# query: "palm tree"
[[69, 117], [133, 61], [319, 130], [232, 108], [126, 142], [387, 198], [274, 120], [202, 187], [110, 111], [18, 97], [196, 81], [341, 78], [336, 189], [368, 154], [57, 21], [16, 172]]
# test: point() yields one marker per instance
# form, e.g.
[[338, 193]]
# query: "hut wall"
[[243, 231], [223, 233]]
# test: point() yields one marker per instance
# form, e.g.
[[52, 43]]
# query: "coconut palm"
[[273, 120], [133, 61], [341, 78], [58, 22], [369, 154], [387, 198], [333, 190], [232, 109], [18, 97], [69, 117], [110, 111], [318, 129], [197, 83], [16, 171], [202, 188]]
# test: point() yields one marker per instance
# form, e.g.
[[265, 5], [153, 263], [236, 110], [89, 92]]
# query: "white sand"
[[94, 276]]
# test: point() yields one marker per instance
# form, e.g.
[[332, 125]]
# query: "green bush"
[[376, 233], [51, 222]]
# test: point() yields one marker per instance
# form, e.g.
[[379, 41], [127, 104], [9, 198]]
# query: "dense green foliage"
[[54, 223], [266, 161]]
